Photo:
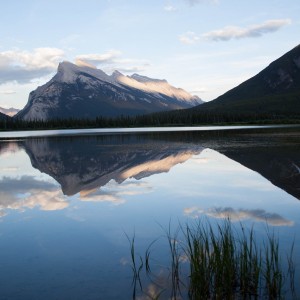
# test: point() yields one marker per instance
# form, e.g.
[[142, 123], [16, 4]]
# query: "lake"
[[70, 200]]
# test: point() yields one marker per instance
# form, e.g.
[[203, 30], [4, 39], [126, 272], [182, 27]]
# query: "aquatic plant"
[[223, 262]]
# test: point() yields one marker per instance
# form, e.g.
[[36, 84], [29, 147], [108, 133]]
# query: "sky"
[[203, 46]]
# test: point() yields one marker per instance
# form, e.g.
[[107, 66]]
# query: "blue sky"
[[204, 46]]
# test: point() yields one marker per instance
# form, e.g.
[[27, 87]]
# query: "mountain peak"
[[68, 72], [116, 74]]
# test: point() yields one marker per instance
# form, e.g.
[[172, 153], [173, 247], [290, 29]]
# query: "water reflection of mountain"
[[281, 165], [81, 164], [86, 163], [273, 153]]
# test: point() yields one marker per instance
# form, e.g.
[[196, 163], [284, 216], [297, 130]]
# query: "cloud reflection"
[[28, 192], [114, 192], [258, 215]]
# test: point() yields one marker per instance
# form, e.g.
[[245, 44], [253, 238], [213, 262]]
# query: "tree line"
[[173, 118]]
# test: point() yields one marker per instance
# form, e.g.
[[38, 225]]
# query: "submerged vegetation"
[[215, 262]]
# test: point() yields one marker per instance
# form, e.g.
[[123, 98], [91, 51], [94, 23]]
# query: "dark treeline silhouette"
[[173, 118]]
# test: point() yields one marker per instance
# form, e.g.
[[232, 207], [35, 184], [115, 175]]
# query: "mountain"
[[275, 90], [9, 111], [82, 91]]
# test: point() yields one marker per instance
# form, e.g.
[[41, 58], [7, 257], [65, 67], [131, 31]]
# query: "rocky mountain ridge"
[[82, 91]]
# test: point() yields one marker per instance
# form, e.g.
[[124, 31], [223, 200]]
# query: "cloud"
[[23, 66], [112, 60], [189, 37], [133, 69], [115, 193], [7, 92], [96, 59], [233, 32], [169, 8], [259, 215], [194, 2]]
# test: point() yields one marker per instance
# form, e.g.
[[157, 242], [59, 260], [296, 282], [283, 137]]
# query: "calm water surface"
[[67, 202]]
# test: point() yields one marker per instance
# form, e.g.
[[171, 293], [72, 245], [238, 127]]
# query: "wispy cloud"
[[234, 32], [189, 37], [7, 92], [115, 193], [259, 215], [99, 58], [23, 66], [169, 8], [112, 60], [194, 2]]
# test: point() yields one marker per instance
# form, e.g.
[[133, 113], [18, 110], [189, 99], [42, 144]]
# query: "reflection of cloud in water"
[[100, 196], [46, 200], [113, 192], [28, 192], [259, 215]]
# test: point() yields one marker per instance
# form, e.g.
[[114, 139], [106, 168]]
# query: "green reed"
[[224, 262]]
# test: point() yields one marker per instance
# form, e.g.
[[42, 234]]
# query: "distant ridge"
[[9, 111]]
